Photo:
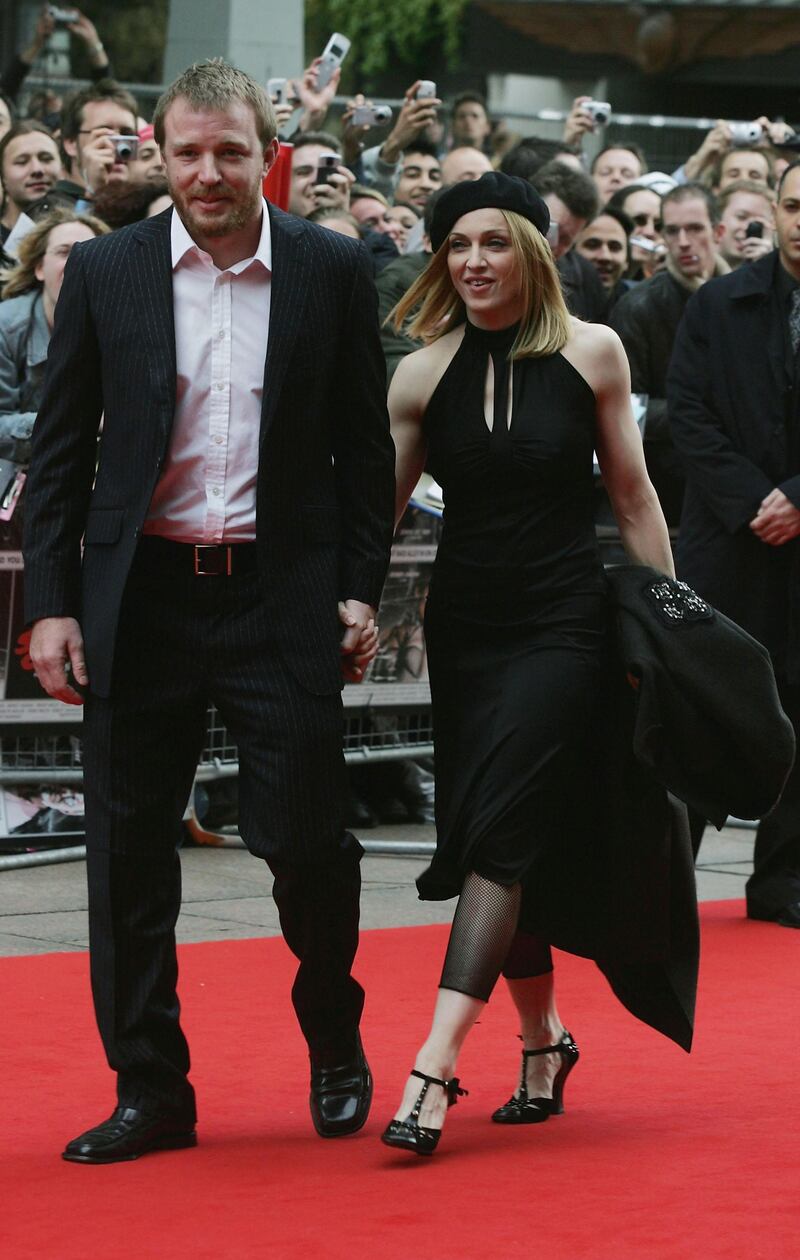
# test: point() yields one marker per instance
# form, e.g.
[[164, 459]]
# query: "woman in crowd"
[[506, 403], [30, 293]]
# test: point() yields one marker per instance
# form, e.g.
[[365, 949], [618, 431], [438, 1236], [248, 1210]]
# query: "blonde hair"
[[213, 84], [434, 307], [21, 277]]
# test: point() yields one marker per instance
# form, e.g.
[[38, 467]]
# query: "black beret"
[[503, 192]]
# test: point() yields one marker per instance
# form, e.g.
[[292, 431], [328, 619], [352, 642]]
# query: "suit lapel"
[[292, 275], [151, 293]]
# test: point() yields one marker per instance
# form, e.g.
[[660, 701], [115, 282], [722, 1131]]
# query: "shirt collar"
[[181, 243]]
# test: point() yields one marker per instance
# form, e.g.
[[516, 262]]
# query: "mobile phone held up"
[[426, 90], [326, 165], [336, 49], [281, 92], [754, 229]]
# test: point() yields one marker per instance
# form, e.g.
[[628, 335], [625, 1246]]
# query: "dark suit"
[[733, 411], [264, 646]]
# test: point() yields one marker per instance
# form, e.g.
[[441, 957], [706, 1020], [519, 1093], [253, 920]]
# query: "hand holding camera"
[[331, 190], [416, 113], [578, 122], [102, 154], [314, 94], [358, 118]]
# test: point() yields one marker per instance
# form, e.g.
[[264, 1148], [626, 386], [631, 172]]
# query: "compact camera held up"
[[371, 116], [598, 111], [126, 148], [745, 133], [62, 17]]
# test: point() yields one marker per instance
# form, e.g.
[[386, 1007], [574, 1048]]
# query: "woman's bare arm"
[[620, 453]]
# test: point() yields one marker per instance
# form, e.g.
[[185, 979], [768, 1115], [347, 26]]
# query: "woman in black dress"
[[505, 405]]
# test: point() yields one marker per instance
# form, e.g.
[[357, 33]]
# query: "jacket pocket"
[[320, 524], [103, 526]]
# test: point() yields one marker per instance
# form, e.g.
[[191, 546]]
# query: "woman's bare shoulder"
[[418, 374], [594, 350]]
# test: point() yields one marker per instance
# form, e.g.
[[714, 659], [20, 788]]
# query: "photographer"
[[755, 137], [90, 158], [15, 72], [747, 218], [31, 289], [319, 178], [381, 163]]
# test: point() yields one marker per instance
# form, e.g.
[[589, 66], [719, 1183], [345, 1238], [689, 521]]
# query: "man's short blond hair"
[[213, 85]]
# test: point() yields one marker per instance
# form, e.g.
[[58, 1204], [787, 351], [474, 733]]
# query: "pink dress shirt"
[[207, 489]]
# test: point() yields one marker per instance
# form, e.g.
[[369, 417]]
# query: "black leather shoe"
[[341, 1092], [786, 916], [127, 1134]]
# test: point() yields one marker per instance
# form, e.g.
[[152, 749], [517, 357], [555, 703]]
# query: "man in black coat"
[[734, 409], [647, 320], [237, 533]]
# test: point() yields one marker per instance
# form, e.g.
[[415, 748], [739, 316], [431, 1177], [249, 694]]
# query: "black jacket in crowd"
[[733, 410], [647, 320]]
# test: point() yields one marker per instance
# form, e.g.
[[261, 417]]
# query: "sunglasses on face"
[[642, 220]]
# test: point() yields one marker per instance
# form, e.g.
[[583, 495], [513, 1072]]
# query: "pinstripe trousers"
[[183, 642]]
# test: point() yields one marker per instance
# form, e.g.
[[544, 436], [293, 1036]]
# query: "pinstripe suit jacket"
[[325, 482]]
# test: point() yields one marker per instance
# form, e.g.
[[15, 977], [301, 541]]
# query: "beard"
[[240, 208]]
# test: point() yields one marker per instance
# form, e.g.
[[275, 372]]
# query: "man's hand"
[[755, 247], [717, 142], [283, 113], [56, 653], [777, 520], [97, 158], [413, 118], [316, 102], [353, 136], [774, 132], [578, 122], [43, 30], [335, 195], [359, 643]]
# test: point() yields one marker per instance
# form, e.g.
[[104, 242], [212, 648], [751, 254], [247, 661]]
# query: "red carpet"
[[661, 1156]]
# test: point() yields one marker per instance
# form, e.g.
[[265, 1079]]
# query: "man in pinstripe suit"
[[236, 539]]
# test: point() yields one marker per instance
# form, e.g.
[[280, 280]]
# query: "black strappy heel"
[[522, 1109], [409, 1134]]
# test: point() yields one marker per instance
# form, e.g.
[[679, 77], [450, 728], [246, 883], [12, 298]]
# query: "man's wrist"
[[390, 151]]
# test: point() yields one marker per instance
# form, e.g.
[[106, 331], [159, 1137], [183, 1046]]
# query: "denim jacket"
[[24, 338]]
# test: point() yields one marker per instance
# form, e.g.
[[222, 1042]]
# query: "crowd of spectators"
[[631, 244]]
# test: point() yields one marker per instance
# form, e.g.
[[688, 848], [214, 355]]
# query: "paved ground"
[[227, 893]]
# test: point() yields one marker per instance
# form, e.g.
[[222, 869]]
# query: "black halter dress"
[[516, 619]]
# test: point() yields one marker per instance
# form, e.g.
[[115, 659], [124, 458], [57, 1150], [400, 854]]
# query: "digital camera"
[[326, 165], [372, 116], [745, 133], [598, 111], [62, 17], [125, 147]]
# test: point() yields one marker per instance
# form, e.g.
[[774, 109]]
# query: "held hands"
[[777, 521], [359, 643], [56, 653]]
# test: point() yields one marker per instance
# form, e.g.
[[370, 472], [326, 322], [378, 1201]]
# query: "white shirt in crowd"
[[207, 489]]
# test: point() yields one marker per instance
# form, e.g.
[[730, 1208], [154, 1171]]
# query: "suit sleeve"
[[730, 483], [64, 456], [363, 449]]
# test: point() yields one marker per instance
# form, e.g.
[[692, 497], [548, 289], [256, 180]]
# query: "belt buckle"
[[220, 560]]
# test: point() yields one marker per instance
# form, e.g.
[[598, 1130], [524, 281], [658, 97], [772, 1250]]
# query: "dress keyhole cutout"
[[488, 395]]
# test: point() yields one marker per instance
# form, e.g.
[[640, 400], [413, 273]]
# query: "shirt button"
[[221, 335], [219, 385], [216, 492], [218, 438]]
